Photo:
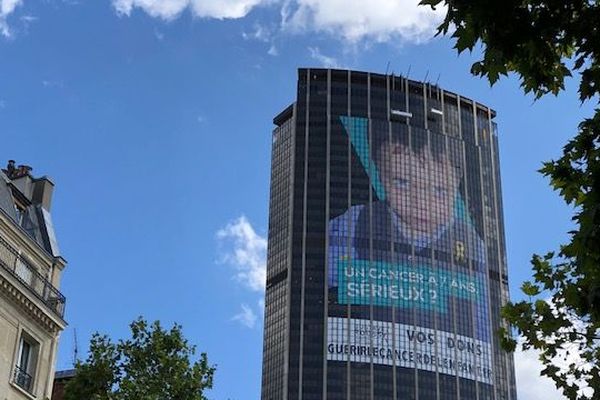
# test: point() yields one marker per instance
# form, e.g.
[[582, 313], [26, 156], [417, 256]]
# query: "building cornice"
[[19, 295]]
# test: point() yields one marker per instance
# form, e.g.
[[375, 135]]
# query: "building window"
[[26, 362]]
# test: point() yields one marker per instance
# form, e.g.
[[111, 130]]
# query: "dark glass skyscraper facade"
[[386, 263]]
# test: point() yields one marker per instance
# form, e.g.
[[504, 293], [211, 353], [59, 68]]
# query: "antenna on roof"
[[438, 79], [387, 68], [426, 76], [408, 72], [75, 348]]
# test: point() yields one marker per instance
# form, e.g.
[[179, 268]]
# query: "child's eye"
[[400, 183]]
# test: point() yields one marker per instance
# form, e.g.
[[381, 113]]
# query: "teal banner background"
[[365, 282]]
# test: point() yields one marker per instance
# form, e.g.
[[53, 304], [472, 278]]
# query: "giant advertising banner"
[[407, 271]]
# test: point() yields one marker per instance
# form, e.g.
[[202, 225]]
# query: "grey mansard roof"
[[36, 221]]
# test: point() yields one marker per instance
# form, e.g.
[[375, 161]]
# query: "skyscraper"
[[386, 263]]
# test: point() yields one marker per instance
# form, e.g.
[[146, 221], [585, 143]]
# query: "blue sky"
[[153, 117]]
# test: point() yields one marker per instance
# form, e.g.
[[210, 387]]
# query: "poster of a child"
[[414, 245]]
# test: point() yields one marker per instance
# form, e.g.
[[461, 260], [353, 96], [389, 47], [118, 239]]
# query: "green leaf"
[[530, 289]]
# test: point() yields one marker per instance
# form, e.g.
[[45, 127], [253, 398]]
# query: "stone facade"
[[31, 307]]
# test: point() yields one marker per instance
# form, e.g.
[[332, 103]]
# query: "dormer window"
[[20, 212]]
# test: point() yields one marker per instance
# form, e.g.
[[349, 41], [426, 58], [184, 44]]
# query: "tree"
[[153, 365], [544, 42]]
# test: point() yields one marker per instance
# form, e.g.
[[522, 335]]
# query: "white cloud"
[[223, 8], [325, 61], [7, 7], [266, 34], [159, 35], [171, 9], [355, 20], [28, 18], [531, 385], [273, 51], [53, 84], [259, 32], [350, 20], [246, 317], [165, 9], [242, 247]]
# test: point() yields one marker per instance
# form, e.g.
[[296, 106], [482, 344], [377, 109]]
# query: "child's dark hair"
[[418, 140]]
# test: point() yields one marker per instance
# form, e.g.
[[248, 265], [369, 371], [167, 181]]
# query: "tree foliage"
[[154, 364], [544, 42]]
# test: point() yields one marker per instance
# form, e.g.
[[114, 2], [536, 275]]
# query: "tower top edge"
[[379, 76]]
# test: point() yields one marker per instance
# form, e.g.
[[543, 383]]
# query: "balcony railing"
[[23, 380], [15, 264]]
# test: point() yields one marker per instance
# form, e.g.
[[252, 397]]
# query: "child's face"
[[420, 189]]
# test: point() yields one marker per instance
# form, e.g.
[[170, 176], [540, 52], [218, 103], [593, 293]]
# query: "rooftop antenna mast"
[[75, 348], [426, 76], [438, 79], [408, 72], [387, 67]]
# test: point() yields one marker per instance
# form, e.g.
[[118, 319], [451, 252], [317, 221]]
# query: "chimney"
[[10, 168], [42, 192]]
